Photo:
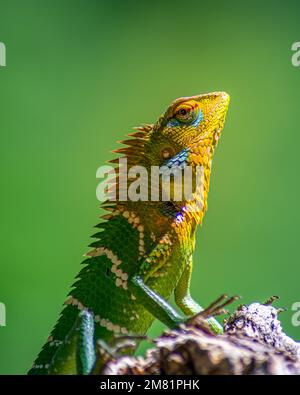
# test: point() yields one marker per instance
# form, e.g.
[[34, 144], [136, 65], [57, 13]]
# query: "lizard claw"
[[271, 300], [204, 319]]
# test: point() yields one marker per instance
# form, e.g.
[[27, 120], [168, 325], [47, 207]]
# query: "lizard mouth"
[[217, 134]]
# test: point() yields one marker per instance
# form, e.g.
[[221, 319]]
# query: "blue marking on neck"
[[179, 160], [179, 217]]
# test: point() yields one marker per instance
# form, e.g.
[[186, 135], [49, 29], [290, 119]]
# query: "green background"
[[79, 75]]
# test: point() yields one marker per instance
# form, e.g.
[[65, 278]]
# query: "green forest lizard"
[[143, 250]]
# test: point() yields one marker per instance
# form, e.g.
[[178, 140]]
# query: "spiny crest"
[[134, 146], [133, 152]]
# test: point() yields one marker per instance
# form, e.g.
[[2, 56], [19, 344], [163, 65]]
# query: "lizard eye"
[[186, 112], [183, 112]]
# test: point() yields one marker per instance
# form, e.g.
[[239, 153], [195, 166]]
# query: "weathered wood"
[[253, 343]]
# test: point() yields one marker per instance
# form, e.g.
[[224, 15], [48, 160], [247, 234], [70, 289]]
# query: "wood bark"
[[253, 343]]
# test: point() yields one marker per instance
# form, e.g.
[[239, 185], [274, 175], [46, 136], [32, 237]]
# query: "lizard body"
[[143, 250]]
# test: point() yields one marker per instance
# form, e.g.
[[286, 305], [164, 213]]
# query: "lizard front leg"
[[186, 303], [155, 303], [151, 300]]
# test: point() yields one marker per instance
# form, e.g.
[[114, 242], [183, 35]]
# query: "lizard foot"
[[205, 318]]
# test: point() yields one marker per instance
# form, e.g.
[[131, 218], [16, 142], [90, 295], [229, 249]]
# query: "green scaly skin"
[[143, 251]]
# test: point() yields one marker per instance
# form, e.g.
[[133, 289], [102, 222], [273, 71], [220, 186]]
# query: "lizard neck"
[[160, 217]]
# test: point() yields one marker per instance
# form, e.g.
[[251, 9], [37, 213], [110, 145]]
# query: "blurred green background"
[[79, 75]]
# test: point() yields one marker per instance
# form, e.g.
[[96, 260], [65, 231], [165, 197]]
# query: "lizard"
[[142, 252]]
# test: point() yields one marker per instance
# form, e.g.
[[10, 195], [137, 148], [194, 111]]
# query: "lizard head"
[[184, 137], [191, 123]]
